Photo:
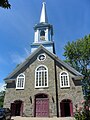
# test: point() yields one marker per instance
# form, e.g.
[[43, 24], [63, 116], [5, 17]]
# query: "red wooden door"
[[13, 107], [66, 108], [71, 109], [62, 109], [42, 107], [21, 109]]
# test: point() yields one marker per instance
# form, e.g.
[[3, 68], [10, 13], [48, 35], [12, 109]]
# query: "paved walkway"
[[33, 118]]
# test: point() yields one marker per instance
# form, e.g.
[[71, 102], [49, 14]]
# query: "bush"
[[82, 112]]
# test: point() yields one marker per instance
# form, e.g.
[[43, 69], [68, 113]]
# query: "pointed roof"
[[25, 64], [43, 17]]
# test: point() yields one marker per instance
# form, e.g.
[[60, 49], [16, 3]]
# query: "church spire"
[[43, 32], [43, 17]]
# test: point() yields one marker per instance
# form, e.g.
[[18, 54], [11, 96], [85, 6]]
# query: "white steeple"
[[43, 34], [43, 17]]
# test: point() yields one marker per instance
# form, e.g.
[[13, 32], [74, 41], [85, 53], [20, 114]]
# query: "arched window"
[[20, 83], [41, 77], [42, 35], [64, 79]]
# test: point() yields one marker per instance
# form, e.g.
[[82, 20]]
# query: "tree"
[[2, 94], [77, 53], [4, 4]]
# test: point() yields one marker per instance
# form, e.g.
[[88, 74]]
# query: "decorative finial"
[[44, 1]]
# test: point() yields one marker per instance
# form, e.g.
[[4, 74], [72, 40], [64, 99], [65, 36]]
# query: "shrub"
[[83, 111]]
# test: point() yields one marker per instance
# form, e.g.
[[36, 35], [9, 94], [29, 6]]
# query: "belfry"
[[43, 32]]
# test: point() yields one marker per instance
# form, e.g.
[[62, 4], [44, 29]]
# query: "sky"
[[70, 20]]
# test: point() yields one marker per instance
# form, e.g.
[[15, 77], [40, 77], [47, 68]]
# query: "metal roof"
[[41, 47]]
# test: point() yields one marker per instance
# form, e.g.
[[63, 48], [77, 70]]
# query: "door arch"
[[41, 105], [17, 108], [66, 108]]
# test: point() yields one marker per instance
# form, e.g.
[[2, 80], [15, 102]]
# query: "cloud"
[[27, 51], [2, 87], [17, 58]]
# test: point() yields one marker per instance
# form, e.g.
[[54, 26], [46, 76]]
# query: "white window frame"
[[20, 87], [64, 80], [40, 72], [40, 55]]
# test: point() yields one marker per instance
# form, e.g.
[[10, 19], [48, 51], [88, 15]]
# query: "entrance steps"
[[36, 118]]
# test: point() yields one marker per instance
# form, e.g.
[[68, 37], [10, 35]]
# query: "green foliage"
[[82, 112], [78, 54], [2, 94], [4, 4]]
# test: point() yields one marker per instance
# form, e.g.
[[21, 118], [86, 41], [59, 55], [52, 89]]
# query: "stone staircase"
[[34, 118]]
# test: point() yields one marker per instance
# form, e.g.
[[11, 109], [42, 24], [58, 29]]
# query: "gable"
[[33, 57]]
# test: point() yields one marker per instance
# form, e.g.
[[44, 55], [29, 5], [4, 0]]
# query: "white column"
[[36, 36], [46, 35]]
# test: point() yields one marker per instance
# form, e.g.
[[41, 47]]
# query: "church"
[[43, 85]]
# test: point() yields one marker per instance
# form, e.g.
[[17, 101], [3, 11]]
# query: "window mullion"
[[19, 82], [38, 78], [41, 77], [44, 77], [62, 80], [66, 80]]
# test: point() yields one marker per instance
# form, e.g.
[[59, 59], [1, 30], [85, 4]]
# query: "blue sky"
[[70, 19]]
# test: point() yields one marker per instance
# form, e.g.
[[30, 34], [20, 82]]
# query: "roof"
[[41, 47]]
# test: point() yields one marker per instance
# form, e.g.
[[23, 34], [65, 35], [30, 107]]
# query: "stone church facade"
[[43, 85]]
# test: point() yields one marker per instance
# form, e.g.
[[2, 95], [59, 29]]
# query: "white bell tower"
[[43, 32]]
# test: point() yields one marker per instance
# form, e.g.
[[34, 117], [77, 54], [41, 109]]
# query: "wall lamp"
[[30, 99], [53, 99]]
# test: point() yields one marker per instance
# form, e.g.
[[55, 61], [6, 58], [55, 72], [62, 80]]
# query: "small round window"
[[41, 57]]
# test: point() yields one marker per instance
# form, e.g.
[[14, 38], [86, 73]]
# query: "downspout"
[[57, 108]]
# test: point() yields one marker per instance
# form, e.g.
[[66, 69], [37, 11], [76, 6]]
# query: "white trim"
[[40, 55], [41, 76], [64, 86], [20, 87]]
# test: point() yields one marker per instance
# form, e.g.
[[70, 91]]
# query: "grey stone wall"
[[73, 93], [12, 94]]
